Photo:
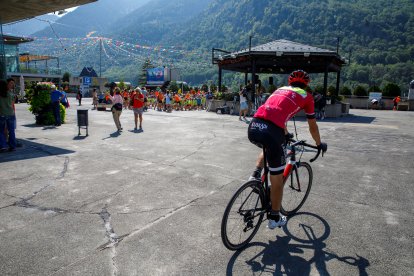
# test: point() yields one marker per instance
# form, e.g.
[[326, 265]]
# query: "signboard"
[[375, 95], [155, 75], [411, 91], [87, 80]]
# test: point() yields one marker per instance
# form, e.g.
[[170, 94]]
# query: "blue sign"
[[87, 80], [155, 75]]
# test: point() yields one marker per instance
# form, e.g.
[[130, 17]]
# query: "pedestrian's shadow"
[[136, 131], [80, 137], [112, 135], [282, 255]]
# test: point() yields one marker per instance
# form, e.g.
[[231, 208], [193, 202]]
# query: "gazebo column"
[[325, 81], [338, 79], [219, 79], [245, 78], [254, 83]]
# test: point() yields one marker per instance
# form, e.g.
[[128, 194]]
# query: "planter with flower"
[[41, 105]]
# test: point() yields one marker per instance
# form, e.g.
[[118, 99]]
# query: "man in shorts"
[[138, 107], [268, 129]]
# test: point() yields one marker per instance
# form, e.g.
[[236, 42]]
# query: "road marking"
[[112, 172]]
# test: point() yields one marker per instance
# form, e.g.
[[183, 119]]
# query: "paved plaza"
[[151, 202]]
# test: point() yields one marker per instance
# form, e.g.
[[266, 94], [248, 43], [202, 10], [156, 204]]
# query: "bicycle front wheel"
[[297, 188], [243, 216]]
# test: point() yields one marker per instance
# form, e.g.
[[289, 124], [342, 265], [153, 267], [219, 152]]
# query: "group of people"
[[169, 101], [246, 102], [134, 100]]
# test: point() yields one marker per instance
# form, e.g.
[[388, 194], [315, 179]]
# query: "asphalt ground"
[[151, 202]]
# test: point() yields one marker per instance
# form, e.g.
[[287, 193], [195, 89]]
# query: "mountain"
[[95, 17], [377, 35], [30, 26], [156, 19], [380, 34]]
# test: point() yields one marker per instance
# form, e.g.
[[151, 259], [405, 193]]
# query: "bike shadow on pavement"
[[288, 255]]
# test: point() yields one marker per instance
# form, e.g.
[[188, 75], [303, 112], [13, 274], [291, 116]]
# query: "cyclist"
[[268, 129]]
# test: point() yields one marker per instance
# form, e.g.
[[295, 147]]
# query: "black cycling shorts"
[[263, 133]]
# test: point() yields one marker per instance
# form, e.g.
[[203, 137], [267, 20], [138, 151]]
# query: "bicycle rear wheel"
[[243, 216], [297, 188]]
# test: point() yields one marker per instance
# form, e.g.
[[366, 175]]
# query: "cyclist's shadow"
[[276, 257]]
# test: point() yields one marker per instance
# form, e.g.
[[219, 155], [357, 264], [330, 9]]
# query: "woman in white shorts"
[[243, 104]]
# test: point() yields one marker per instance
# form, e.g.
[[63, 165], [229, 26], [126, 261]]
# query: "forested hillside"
[[378, 36], [95, 17]]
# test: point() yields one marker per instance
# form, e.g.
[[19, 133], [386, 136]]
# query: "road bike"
[[251, 202]]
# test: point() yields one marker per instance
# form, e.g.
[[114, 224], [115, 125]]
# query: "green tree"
[[332, 90], [173, 86], [204, 87], [121, 85], [360, 91], [345, 90], [271, 88], [142, 78], [374, 88], [213, 87], [66, 77], [391, 90]]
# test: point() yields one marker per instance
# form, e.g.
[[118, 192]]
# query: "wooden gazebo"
[[279, 57]]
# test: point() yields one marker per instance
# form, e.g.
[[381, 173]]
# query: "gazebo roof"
[[280, 56], [287, 47]]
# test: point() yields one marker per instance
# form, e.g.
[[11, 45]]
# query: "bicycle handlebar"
[[303, 143]]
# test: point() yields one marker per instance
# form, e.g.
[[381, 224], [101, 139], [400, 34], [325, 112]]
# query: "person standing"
[[94, 99], [243, 104], [7, 118], [65, 100], [79, 97], [395, 101], [145, 93], [56, 96], [117, 101], [138, 107]]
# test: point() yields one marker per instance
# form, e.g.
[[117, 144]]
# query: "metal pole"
[[325, 81], [3, 73], [219, 80], [337, 45], [100, 58], [254, 84]]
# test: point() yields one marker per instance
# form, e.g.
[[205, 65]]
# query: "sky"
[[68, 10]]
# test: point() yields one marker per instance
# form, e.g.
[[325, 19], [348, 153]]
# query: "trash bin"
[[82, 120]]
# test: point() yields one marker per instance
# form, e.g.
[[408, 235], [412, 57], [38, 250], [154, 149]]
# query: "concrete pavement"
[[151, 203]]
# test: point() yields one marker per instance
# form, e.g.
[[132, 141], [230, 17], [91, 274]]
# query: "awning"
[[27, 58], [15, 10]]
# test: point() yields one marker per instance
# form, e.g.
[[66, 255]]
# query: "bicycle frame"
[[291, 165]]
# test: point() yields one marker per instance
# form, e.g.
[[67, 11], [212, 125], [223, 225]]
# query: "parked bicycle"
[[246, 209]]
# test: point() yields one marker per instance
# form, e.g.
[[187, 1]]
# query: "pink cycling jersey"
[[284, 103]]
